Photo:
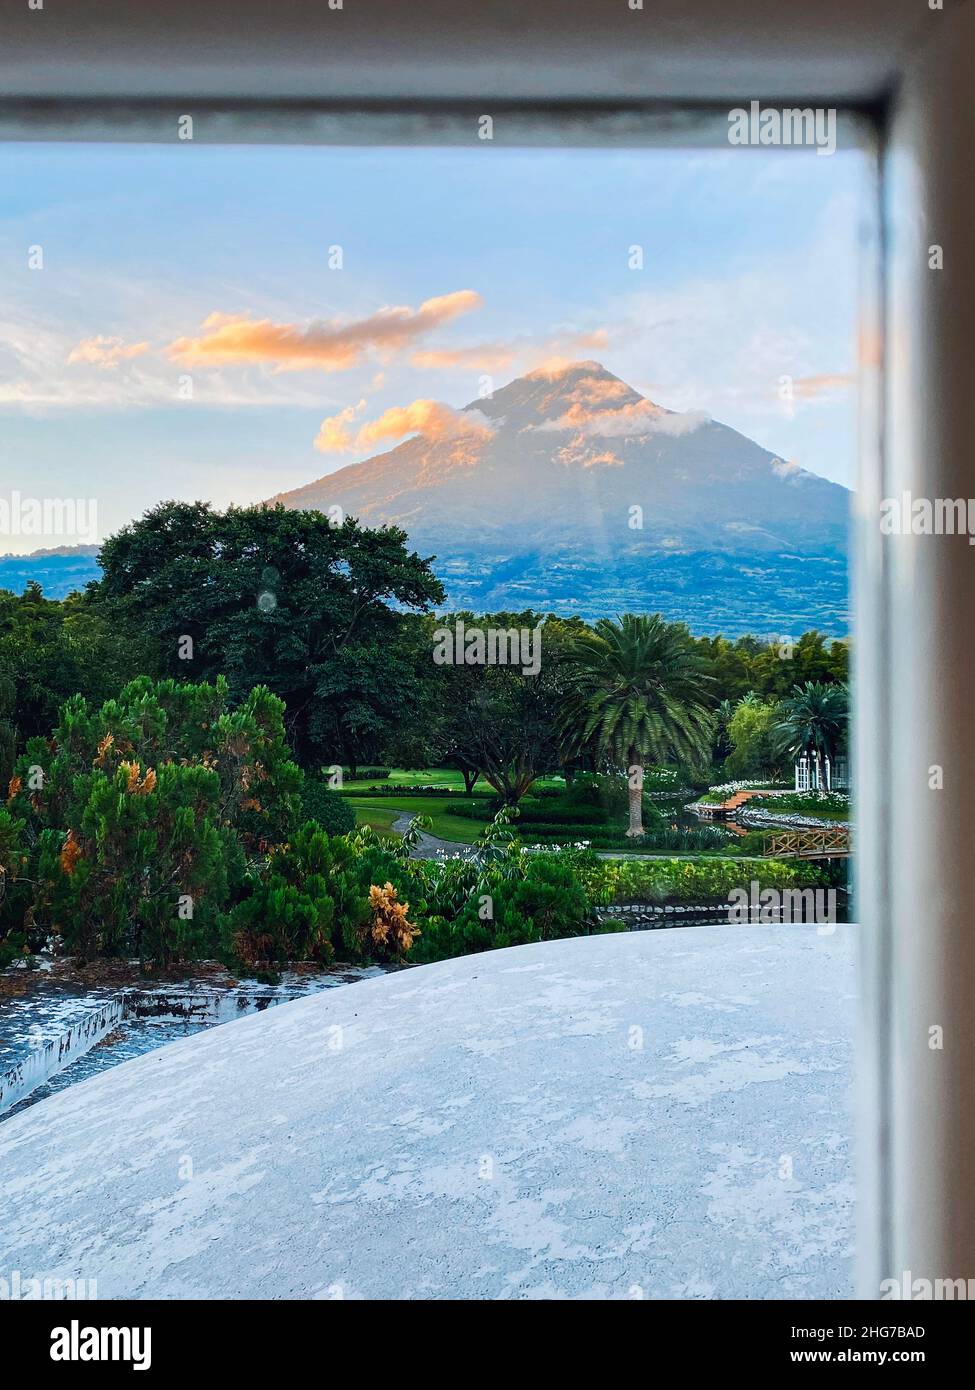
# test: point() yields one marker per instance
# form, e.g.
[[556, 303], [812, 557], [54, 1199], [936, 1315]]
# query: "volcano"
[[569, 492]]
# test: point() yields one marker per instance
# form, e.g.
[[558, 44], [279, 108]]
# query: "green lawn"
[[436, 777], [381, 811], [402, 777], [376, 814]]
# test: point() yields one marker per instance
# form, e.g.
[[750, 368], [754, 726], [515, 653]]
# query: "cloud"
[[333, 346], [636, 418], [486, 357], [788, 469], [548, 354], [596, 340], [432, 419], [825, 384], [581, 454], [600, 391], [334, 436], [552, 368], [105, 352]]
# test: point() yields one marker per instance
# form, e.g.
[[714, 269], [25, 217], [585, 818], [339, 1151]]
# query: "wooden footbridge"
[[809, 844]]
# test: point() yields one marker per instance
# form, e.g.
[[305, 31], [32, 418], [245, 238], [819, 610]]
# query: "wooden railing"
[[808, 844]]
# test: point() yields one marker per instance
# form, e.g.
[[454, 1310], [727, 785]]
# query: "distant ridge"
[[60, 570], [70, 550]]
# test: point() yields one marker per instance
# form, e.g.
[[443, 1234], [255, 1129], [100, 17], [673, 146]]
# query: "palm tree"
[[722, 718], [814, 721], [636, 694]]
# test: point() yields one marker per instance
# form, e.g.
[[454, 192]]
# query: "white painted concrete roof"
[[656, 1114]]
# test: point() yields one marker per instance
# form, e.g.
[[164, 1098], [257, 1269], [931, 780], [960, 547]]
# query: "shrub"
[[716, 795], [325, 893], [520, 898], [139, 815], [8, 732], [330, 809], [593, 789], [287, 911], [683, 880], [143, 866], [707, 839], [821, 805], [473, 810], [752, 842], [389, 931], [396, 789], [15, 940], [375, 926], [561, 814]]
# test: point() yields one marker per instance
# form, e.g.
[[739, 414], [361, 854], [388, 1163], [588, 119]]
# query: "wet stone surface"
[[57, 1031]]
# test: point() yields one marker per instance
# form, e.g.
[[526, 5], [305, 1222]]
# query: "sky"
[[227, 322]]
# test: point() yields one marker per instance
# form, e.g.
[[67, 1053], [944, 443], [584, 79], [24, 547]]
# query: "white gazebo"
[[836, 775]]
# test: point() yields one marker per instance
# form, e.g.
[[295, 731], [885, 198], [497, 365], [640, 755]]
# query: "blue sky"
[[458, 265]]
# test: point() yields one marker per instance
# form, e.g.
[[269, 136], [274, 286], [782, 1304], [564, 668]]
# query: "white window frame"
[[914, 596]]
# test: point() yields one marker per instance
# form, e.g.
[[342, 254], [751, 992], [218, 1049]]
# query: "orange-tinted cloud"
[[547, 354], [105, 352], [636, 417], [599, 391], [826, 384], [585, 456], [332, 347], [598, 339], [486, 357], [432, 419], [552, 368], [334, 435]]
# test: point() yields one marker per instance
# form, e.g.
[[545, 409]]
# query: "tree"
[[499, 720], [770, 669], [139, 816], [780, 666], [754, 748], [728, 663], [14, 892], [507, 728], [813, 720], [51, 649], [8, 730], [637, 694], [722, 745], [282, 598]]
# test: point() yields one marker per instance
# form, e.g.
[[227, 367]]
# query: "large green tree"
[[637, 694], [311, 609], [501, 720], [813, 720]]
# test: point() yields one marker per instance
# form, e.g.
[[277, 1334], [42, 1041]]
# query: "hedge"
[[681, 880]]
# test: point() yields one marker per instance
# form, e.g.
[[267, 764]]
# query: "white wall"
[[916, 688]]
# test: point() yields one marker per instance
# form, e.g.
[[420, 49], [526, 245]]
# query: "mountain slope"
[[59, 571], [571, 492]]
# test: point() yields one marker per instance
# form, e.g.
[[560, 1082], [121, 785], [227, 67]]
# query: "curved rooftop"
[[651, 1114]]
